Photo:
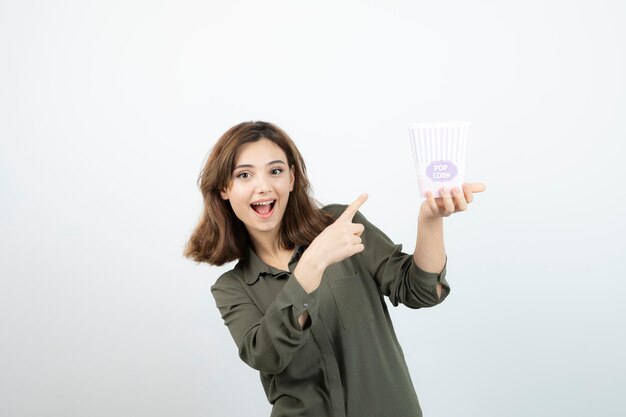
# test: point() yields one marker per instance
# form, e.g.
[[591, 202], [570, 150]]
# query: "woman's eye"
[[243, 175], [276, 171]]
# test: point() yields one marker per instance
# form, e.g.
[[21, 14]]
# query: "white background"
[[109, 109]]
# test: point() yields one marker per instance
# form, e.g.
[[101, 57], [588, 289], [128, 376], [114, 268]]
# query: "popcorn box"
[[439, 155]]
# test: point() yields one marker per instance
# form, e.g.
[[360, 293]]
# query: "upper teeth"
[[265, 203]]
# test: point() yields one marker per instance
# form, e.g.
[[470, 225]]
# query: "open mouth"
[[264, 208]]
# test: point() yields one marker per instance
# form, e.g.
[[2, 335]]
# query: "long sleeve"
[[395, 271], [266, 342]]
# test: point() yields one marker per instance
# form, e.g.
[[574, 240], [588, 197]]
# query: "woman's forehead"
[[260, 152]]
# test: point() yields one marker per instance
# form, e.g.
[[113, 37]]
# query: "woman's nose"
[[262, 184]]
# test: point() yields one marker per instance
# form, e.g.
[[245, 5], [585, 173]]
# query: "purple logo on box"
[[441, 171]]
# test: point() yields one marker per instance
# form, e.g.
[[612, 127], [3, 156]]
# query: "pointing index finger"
[[352, 208]]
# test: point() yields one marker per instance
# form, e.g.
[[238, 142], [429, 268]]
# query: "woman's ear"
[[292, 178], [224, 195]]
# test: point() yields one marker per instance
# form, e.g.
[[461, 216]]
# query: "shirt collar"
[[253, 267]]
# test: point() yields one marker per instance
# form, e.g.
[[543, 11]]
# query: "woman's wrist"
[[427, 217], [309, 272]]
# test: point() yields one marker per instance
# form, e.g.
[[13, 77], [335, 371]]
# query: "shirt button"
[[305, 305]]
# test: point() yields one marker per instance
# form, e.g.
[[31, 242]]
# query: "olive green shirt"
[[347, 361]]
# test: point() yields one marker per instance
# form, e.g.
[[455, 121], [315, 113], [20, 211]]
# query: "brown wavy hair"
[[220, 236]]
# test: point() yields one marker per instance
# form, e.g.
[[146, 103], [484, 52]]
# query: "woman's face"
[[259, 187]]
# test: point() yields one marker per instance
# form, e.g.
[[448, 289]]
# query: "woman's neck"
[[270, 252]]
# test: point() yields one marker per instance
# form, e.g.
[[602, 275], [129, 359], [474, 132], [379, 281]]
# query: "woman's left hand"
[[450, 202]]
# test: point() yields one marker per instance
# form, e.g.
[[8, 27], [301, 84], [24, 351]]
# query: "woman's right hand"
[[338, 241], [341, 239]]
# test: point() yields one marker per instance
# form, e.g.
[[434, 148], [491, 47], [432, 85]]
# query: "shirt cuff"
[[433, 278], [299, 301]]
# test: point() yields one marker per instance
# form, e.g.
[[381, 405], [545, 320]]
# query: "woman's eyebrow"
[[277, 161]]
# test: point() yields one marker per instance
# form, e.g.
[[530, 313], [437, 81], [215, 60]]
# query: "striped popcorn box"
[[439, 155]]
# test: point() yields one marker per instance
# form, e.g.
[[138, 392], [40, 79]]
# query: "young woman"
[[305, 303]]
